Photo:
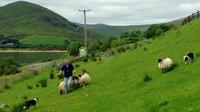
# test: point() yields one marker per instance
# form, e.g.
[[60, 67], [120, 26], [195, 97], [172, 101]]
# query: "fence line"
[[188, 19]]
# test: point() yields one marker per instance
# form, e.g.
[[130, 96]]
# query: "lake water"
[[31, 57]]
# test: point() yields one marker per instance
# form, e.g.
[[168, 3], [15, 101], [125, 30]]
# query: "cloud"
[[120, 12]]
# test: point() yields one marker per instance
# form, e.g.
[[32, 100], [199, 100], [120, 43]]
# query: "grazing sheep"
[[61, 89], [75, 81], [75, 84], [3, 106], [188, 58], [165, 65], [84, 79]]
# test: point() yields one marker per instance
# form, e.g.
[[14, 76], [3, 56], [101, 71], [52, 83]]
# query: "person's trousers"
[[67, 84]]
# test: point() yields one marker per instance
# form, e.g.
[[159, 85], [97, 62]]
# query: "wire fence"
[[188, 19]]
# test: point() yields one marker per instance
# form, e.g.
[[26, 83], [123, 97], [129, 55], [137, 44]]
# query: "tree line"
[[95, 46], [129, 37]]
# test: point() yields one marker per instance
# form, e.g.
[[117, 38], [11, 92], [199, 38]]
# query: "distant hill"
[[108, 30], [24, 20]]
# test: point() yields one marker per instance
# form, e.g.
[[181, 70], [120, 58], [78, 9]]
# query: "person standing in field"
[[67, 68]]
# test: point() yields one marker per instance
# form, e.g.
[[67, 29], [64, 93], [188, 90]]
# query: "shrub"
[[37, 85], [85, 59], [156, 30], [34, 71], [58, 68], [99, 58], [51, 75], [77, 65], [84, 70], [24, 97], [8, 66], [123, 49], [118, 50], [6, 86], [135, 46], [144, 49], [60, 76], [29, 87], [94, 59], [43, 82], [147, 78], [74, 48], [127, 47]]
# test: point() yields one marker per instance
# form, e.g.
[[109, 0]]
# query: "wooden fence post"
[[193, 16], [183, 22], [188, 18], [198, 14]]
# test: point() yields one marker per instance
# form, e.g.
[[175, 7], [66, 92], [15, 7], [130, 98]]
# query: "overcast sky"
[[119, 12]]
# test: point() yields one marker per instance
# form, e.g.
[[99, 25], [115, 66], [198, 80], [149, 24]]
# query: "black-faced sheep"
[[188, 58], [77, 81], [165, 65]]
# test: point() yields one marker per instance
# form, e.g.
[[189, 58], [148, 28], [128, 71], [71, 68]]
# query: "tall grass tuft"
[[147, 78], [17, 108], [43, 82], [51, 75]]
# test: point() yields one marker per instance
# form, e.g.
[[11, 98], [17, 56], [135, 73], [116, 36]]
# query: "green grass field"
[[44, 40], [117, 82]]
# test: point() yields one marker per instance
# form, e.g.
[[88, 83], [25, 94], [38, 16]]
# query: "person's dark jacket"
[[68, 70]]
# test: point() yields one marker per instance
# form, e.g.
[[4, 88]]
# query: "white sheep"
[[76, 82], [84, 79], [61, 89], [165, 65]]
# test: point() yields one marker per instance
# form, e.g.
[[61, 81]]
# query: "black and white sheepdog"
[[188, 58], [29, 103]]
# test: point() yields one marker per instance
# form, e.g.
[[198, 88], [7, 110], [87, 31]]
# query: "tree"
[[66, 42], [124, 35], [136, 33], [156, 30], [8, 66], [74, 48]]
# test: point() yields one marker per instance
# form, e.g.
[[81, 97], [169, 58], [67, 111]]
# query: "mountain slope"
[[118, 81], [24, 19], [108, 30]]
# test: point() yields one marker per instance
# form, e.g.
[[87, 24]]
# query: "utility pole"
[[85, 26]]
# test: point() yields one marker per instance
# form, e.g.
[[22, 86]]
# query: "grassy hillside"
[[108, 30], [117, 82], [24, 19]]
